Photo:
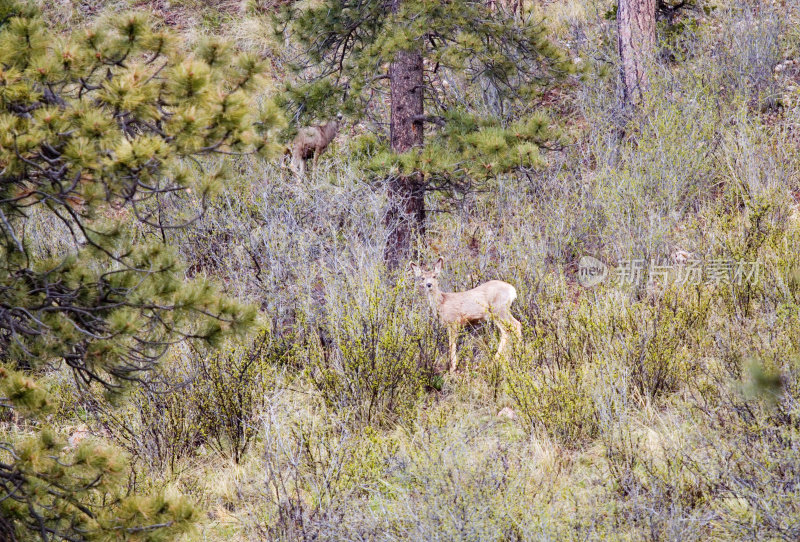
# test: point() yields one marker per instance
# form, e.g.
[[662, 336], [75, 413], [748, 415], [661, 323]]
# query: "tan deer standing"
[[509, 7], [489, 301], [312, 141]]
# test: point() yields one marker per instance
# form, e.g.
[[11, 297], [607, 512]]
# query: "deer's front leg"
[[517, 327], [296, 163], [452, 338]]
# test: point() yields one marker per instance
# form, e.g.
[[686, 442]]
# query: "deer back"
[[490, 299]]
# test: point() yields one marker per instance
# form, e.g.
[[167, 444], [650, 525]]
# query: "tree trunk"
[[405, 216], [636, 28]]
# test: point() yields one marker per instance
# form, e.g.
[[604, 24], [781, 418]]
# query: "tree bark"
[[636, 29], [405, 216], [406, 213]]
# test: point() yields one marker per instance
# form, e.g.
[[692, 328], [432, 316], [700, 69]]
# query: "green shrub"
[[378, 354], [551, 398], [316, 468], [200, 398], [230, 389], [161, 424], [654, 342]]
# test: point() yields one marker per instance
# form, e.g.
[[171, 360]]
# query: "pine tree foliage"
[[471, 149], [97, 130], [508, 62]]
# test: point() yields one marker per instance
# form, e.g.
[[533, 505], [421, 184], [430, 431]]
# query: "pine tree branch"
[[10, 231]]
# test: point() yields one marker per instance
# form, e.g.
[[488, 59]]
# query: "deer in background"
[[311, 141], [509, 7], [488, 301]]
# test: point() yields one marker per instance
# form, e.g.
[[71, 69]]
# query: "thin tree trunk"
[[406, 214], [636, 28]]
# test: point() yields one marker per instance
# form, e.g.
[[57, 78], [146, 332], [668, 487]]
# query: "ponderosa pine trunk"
[[636, 30], [405, 216]]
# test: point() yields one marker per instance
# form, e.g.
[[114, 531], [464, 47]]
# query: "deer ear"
[[414, 268], [437, 268]]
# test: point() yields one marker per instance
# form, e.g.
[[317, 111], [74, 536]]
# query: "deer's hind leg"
[[503, 338], [505, 324]]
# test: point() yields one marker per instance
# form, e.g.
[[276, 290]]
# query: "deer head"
[[428, 279], [331, 128]]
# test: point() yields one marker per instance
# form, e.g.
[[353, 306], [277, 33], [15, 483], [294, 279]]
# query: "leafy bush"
[[375, 355], [230, 390], [752, 454], [208, 399], [161, 422], [653, 342], [551, 398]]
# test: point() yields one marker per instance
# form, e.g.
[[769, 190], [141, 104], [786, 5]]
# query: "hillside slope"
[[659, 404]]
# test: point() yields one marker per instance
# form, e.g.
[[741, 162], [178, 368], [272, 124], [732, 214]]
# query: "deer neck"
[[435, 298], [329, 129]]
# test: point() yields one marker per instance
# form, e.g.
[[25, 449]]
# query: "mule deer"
[[312, 141], [508, 7], [488, 301]]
